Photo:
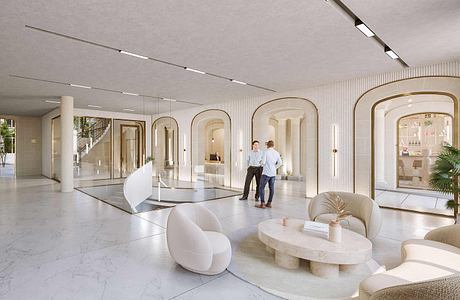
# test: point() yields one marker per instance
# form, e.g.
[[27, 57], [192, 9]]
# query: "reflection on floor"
[[176, 192], [70, 246], [7, 170], [422, 201]]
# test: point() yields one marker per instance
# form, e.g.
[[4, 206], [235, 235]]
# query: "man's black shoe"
[[244, 198]]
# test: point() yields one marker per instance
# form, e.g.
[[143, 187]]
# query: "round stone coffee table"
[[291, 243]]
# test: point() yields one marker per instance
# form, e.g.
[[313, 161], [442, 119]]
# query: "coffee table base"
[[324, 270], [286, 261]]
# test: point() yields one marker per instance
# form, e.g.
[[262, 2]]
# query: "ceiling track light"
[[133, 54], [101, 89], [168, 99], [53, 101], [390, 53], [237, 81], [342, 9], [131, 94], [128, 109], [94, 106], [172, 64], [80, 86], [194, 70], [363, 28]]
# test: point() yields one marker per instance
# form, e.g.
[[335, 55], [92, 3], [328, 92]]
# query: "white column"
[[295, 146], [282, 142], [66, 144], [379, 141]]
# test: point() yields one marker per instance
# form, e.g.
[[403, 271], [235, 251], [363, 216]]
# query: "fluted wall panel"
[[335, 103]]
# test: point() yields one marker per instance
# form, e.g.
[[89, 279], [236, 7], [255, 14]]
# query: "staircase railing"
[[95, 132]]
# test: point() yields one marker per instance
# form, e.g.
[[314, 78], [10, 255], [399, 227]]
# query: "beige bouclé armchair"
[[365, 216]]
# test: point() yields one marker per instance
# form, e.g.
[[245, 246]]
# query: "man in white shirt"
[[254, 169], [271, 160]]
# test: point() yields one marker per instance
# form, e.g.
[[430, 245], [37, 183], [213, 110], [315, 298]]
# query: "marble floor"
[[422, 201], [72, 246]]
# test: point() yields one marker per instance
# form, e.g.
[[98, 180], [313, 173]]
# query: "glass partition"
[[56, 148], [165, 147], [128, 146], [420, 140], [92, 148]]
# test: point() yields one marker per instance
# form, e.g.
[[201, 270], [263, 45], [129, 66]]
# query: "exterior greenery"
[[7, 134], [445, 175]]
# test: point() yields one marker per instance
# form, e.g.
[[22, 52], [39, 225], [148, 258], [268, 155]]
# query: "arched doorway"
[[376, 155], [292, 123], [165, 143], [211, 147]]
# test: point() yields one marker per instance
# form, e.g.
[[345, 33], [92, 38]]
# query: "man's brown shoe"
[[269, 205], [261, 205]]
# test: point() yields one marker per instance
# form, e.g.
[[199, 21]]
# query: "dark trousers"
[[271, 186], [252, 171]]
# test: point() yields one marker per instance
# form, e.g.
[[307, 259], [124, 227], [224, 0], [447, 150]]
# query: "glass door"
[[130, 155]]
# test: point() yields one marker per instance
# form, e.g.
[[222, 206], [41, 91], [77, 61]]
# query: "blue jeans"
[[271, 186]]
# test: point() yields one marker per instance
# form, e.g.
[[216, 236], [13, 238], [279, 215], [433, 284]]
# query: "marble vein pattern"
[[71, 246]]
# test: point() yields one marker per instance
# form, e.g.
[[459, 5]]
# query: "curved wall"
[[335, 103]]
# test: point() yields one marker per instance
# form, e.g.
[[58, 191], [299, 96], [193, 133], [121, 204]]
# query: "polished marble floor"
[[421, 201], [72, 246]]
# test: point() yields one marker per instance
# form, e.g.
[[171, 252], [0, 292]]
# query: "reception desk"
[[214, 172], [414, 171]]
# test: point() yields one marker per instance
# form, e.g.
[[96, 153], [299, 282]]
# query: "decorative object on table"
[[285, 221], [337, 206], [316, 227], [365, 219], [445, 176]]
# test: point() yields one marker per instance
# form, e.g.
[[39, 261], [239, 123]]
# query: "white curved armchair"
[[365, 216], [195, 240]]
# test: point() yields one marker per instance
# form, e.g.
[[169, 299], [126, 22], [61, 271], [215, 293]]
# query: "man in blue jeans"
[[271, 160]]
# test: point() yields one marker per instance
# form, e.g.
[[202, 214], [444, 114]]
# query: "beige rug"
[[251, 262]]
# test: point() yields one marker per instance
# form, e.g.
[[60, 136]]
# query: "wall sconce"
[[184, 153], [212, 140], [240, 158], [334, 150]]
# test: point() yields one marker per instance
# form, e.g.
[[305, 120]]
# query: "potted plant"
[[445, 175], [337, 206]]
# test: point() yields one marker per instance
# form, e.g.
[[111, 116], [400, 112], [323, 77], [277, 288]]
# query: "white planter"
[[335, 232]]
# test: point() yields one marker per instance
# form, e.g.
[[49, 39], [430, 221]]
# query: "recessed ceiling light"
[[131, 94], [194, 70], [363, 28], [53, 101], [239, 82], [391, 53], [169, 99], [80, 86], [133, 54], [128, 109], [410, 105], [94, 106], [410, 100]]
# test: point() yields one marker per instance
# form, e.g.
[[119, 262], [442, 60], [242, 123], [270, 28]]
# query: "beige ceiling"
[[280, 45]]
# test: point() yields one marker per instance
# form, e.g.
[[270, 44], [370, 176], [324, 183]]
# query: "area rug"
[[254, 264]]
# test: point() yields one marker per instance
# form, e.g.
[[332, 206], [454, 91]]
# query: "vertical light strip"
[[184, 154], [334, 149], [156, 136], [240, 157]]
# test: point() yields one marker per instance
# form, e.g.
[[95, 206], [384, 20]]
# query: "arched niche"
[[211, 147], [364, 122], [165, 147], [293, 123]]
